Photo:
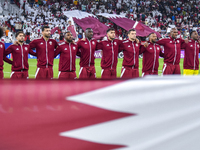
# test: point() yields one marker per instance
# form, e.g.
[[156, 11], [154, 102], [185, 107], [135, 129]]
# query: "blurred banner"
[[153, 113]]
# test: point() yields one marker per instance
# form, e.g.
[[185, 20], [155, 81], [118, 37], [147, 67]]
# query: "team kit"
[[46, 49]]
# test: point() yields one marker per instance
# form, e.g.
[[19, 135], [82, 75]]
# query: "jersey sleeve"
[[8, 50], [32, 44], [56, 44], [99, 46], [5, 58], [78, 53], [182, 41], [32, 52], [121, 45], [142, 49], [161, 42], [57, 51], [161, 53], [183, 46]]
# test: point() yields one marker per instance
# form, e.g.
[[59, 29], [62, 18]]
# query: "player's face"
[[195, 36], [20, 38], [68, 37], [132, 35], [174, 33], [69, 22], [89, 33], [47, 32], [153, 38], [111, 35]]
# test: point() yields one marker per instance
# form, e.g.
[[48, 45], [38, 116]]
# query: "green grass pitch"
[[33, 67]]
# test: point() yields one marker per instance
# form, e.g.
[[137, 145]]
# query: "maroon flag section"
[[34, 113], [127, 24]]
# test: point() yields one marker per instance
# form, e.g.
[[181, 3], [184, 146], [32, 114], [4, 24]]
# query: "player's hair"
[[151, 34], [192, 32], [129, 31], [1, 32], [67, 32], [173, 29], [110, 29], [45, 27], [88, 29], [19, 32]]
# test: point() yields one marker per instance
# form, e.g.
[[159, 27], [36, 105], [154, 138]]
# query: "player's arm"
[[6, 52], [121, 46], [56, 44], [142, 49], [32, 44], [161, 42], [78, 53], [99, 45], [183, 45], [57, 51], [161, 53]]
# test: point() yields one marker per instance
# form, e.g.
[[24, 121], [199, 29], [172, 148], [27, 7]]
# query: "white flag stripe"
[[167, 114]]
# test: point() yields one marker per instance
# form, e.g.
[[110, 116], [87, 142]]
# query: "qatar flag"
[[152, 113], [127, 24], [86, 20]]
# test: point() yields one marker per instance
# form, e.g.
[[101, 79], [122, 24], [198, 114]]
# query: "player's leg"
[[92, 73], [12, 73], [50, 73], [16, 75], [126, 73], [105, 74], [177, 69], [25, 75], [59, 74], [145, 73], [83, 73], [40, 73], [1, 74], [135, 73], [155, 73], [188, 72], [168, 69], [72, 75], [113, 73], [63, 75]]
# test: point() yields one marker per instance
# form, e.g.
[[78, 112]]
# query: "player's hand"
[[83, 39], [16, 43], [137, 40], [186, 40], [73, 41], [146, 44]]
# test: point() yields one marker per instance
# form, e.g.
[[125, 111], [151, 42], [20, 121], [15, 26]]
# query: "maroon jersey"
[[110, 51], [172, 49], [86, 51], [191, 59], [2, 56], [151, 57], [131, 53], [44, 51], [20, 56], [67, 53]]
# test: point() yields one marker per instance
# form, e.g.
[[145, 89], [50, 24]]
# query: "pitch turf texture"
[[33, 67]]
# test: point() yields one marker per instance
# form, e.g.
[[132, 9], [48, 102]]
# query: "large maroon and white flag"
[[86, 20], [152, 113]]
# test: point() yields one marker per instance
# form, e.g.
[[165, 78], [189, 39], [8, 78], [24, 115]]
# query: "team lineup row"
[[47, 49]]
